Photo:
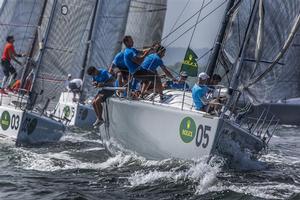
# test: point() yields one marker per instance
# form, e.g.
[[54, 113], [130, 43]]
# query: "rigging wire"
[[180, 15], [203, 18], [183, 23], [203, 55], [195, 27]]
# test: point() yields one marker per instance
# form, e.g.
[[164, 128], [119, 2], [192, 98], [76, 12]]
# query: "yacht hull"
[[28, 128], [73, 113], [158, 131]]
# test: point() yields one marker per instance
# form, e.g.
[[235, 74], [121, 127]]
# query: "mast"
[[215, 53], [33, 45]]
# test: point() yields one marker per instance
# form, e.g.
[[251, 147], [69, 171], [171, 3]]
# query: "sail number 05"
[[202, 136]]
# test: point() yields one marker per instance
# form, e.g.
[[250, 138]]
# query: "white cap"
[[69, 75], [203, 76]]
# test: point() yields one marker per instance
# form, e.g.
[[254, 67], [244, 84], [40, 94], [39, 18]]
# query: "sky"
[[205, 32]]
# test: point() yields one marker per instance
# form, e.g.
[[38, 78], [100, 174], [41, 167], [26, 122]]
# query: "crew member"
[[149, 70], [179, 84], [199, 91], [9, 54], [74, 85], [101, 78]]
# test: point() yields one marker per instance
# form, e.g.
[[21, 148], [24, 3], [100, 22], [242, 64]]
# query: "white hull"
[[74, 114], [158, 131], [28, 128]]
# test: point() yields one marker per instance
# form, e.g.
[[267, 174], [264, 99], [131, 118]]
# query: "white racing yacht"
[[172, 128]]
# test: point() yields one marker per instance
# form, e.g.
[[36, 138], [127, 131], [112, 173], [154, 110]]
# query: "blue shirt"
[[129, 54], [178, 86], [199, 91], [152, 62], [102, 77], [119, 61]]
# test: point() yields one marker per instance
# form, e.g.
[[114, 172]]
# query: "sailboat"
[[110, 16], [24, 126], [56, 50], [269, 72], [173, 128]]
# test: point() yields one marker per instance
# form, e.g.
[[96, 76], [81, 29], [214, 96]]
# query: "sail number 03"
[[202, 136]]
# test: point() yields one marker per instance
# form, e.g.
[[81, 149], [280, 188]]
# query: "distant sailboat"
[[21, 19], [104, 41]]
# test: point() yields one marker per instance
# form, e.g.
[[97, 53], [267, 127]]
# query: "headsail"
[[107, 34], [146, 21], [20, 18], [274, 22], [64, 45]]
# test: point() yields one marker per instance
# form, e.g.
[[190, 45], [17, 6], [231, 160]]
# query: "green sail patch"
[[190, 65]]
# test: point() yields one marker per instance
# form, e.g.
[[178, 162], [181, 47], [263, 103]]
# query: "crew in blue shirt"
[[149, 68], [100, 78], [132, 57], [199, 91], [180, 84], [119, 70]]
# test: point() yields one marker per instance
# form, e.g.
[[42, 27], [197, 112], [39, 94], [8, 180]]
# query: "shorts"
[[106, 93], [124, 72], [74, 87], [145, 75], [7, 68]]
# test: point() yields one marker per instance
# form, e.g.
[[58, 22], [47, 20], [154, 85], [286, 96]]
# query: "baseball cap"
[[69, 75], [203, 76]]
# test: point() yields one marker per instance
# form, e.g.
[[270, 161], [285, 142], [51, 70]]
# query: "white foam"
[[140, 178], [201, 173]]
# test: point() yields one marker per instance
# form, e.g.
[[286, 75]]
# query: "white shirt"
[[77, 81]]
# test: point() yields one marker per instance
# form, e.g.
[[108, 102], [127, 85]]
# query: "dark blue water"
[[79, 167]]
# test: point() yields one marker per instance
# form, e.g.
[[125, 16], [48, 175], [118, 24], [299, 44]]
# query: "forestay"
[[274, 22], [19, 18], [146, 21], [64, 46]]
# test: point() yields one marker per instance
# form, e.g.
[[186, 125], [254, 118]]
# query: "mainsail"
[[274, 22], [146, 21], [20, 18], [64, 45]]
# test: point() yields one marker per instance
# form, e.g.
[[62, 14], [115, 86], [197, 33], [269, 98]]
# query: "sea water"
[[81, 167]]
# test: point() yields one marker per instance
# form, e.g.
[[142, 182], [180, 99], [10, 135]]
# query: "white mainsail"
[[274, 22]]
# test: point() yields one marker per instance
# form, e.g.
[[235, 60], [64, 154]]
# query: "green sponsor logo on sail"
[[187, 129], [190, 65], [67, 111], [5, 120]]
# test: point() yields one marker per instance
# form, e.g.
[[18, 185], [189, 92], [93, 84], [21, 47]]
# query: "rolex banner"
[[190, 65]]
